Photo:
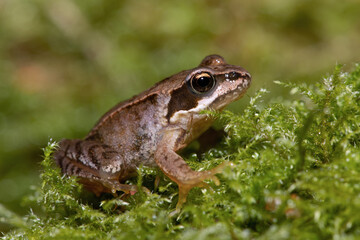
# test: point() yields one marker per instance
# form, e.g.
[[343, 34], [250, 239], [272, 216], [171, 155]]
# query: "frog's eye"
[[202, 83]]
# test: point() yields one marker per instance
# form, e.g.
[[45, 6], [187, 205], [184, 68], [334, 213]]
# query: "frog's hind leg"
[[99, 167]]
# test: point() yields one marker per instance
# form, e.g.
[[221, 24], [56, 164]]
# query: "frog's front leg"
[[99, 167], [176, 168]]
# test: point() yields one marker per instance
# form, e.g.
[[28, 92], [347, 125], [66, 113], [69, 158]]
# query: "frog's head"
[[212, 85]]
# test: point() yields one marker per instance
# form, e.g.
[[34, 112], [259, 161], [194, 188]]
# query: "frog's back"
[[162, 88]]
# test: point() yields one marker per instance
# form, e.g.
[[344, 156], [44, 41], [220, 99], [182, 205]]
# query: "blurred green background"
[[64, 63]]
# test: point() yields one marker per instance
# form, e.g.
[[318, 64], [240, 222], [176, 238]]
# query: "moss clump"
[[295, 175]]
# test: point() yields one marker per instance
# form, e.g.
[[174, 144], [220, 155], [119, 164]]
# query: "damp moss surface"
[[295, 174]]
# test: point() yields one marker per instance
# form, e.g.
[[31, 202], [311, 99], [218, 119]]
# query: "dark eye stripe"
[[181, 99]]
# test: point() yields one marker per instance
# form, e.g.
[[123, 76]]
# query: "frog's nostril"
[[234, 75]]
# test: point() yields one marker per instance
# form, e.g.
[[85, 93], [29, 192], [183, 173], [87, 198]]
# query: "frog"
[[151, 128]]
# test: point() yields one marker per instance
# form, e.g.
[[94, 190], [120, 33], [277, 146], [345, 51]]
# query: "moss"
[[295, 175]]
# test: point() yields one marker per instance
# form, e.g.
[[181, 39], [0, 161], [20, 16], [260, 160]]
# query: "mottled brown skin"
[[152, 127]]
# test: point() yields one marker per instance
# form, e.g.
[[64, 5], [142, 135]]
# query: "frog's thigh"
[[89, 160]]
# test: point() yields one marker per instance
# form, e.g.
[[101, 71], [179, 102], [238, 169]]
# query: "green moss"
[[295, 175]]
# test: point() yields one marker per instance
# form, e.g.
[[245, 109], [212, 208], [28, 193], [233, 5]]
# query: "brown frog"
[[150, 128]]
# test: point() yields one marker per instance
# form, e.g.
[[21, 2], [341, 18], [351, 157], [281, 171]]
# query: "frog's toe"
[[215, 180], [115, 186], [184, 190], [221, 166]]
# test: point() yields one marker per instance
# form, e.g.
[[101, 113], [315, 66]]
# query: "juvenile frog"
[[150, 129]]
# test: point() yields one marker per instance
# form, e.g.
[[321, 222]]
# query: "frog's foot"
[[110, 186], [115, 186], [196, 179]]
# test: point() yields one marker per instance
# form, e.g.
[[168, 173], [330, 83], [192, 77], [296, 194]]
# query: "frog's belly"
[[135, 131], [144, 140], [137, 144], [144, 146]]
